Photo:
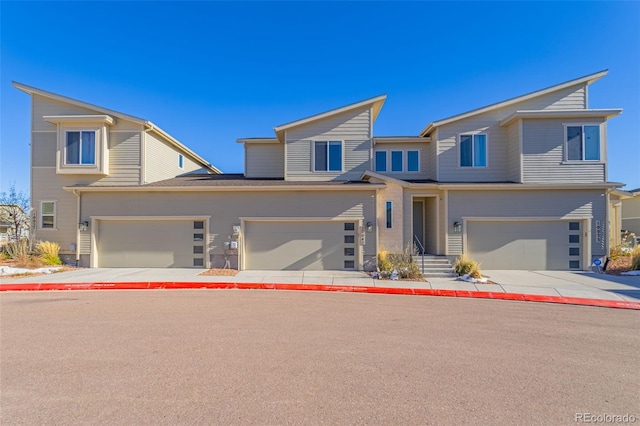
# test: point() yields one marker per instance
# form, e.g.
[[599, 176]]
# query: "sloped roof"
[[587, 79], [375, 102], [148, 124]]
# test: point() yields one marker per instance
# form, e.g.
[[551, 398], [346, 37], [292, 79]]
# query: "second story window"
[[327, 156], [473, 150], [583, 143], [381, 161], [413, 162], [80, 147], [396, 161], [180, 161]]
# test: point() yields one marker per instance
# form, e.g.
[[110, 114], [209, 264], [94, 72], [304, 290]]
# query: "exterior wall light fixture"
[[457, 227]]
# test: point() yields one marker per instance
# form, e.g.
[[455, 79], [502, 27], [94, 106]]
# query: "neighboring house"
[[520, 184], [630, 210], [14, 223], [5, 228]]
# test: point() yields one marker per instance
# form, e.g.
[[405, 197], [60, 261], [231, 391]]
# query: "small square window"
[[349, 239], [574, 226], [574, 264], [574, 251], [349, 226], [574, 238], [198, 249], [198, 224], [349, 264], [349, 251], [198, 261], [198, 237]]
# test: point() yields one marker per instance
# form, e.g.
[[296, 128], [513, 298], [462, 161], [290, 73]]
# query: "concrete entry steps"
[[433, 266]]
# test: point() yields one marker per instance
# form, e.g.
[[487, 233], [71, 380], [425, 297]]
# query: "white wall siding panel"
[[526, 203], [264, 160], [351, 127], [432, 149], [543, 154], [422, 148]]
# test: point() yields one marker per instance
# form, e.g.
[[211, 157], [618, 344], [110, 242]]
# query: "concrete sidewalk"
[[537, 284]]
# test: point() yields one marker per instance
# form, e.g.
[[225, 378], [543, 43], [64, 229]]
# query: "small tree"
[[14, 208]]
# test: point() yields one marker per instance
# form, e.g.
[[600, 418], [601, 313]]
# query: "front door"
[[418, 224]]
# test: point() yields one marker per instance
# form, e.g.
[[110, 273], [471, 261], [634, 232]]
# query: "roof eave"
[[574, 113]]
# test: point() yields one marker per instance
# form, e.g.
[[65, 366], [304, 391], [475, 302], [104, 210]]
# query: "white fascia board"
[[375, 102], [588, 79], [142, 188], [56, 119], [368, 173], [565, 113], [401, 139], [258, 140], [525, 186], [34, 90]]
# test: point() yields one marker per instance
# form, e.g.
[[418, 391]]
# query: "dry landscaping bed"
[[219, 272]]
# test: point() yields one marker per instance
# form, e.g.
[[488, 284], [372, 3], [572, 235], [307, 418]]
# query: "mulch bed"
[[621, 264], [219, 272]]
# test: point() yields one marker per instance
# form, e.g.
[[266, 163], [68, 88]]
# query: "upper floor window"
[[327, 156], [473, 150], [180, 161], [583, 143], [47, 215], [399, 162], [389, 214], [80, 147], [381, 161]]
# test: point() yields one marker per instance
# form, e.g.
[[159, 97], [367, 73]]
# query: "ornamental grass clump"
[[403, 263], [48, 252], [635, 259], [464, 265]]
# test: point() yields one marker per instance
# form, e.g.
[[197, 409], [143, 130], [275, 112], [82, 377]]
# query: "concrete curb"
[[160, 285]]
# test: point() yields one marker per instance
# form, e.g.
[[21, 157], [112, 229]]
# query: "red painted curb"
[[160, 285]]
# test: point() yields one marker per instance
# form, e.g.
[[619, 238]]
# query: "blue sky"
[[211, 72]]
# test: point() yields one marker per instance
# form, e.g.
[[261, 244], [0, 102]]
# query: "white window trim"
[[180, 161], [389, 162], [460, 166], [96, 135], [388, 210], [55, 216], [565, 155], [313, 156], [101, 160]]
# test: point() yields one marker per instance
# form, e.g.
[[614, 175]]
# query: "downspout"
[[77, 194]]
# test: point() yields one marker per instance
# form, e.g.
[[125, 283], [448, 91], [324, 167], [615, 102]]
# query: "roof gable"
[[586, 80], [376, 103]]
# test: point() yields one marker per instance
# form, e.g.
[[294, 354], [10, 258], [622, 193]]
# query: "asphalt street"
[[265, 357]]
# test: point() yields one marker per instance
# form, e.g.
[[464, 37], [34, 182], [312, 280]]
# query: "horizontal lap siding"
[[432, 149], [352, 127], [264, 160], [422, 148], [161, 160], [124, 159], [44, 146], [513, 153], [226, 208], [543, 154], [498, 138], [525, 203]]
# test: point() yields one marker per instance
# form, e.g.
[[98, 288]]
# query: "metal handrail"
[[421, 247]]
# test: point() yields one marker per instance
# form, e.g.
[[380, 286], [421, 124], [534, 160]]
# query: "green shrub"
[[465, 265], [48, 252], [383, 261], [635, 259]]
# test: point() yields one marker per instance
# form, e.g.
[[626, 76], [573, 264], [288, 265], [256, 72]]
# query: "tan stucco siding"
[[227, 208], [631, 214], [390, 239], [544, 156], [561, 204], [264, 160], [352, 127]]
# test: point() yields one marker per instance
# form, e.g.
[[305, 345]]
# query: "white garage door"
[[526, 245], [150, 244], [300, 245]]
